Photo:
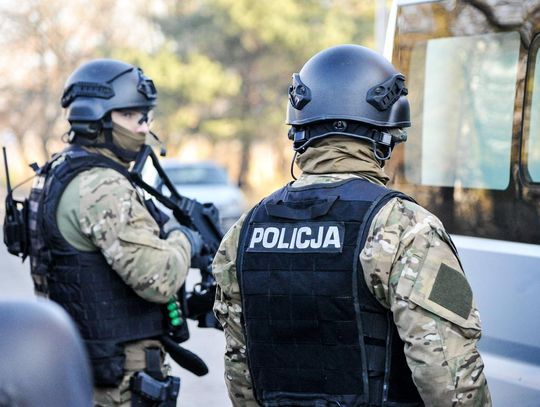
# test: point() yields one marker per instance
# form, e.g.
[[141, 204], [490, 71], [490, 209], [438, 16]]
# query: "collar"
[[342, 155]]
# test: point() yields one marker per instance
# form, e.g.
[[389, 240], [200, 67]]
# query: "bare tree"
[[42, 43]]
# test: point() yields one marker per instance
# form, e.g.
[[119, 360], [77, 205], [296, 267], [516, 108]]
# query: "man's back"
[[404, 250]]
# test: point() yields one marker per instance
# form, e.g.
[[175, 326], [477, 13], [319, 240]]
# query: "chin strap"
[[85, 134], [382, 140]]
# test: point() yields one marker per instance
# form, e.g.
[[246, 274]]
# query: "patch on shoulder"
[[452, 291]]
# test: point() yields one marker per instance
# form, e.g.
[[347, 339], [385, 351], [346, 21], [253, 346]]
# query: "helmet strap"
[[382, 141], [78, 135], [122, 153]]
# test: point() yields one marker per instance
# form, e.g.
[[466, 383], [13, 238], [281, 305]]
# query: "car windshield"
[[196, 175]]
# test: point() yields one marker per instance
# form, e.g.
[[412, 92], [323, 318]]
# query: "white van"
[[473, 159]]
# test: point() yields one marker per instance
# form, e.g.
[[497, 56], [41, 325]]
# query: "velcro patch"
[[452, 291], [305, 237]]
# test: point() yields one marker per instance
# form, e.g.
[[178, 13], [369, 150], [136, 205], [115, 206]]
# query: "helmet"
[[102, 85], [94, 90], [347, 90]]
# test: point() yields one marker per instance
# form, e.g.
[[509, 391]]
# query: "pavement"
[[209, 344]]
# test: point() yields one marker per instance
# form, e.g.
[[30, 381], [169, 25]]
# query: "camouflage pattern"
[[101, 210], [228, 311], [404, 251], [401, 259]]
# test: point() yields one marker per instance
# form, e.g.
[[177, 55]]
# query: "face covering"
[[127, 139]]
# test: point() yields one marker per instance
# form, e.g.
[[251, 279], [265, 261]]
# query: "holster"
[[149, 392], [150, 388]]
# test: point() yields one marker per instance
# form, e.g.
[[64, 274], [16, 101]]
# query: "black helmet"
[[102, 85], [60, 359], [348, 90], [94, 90]]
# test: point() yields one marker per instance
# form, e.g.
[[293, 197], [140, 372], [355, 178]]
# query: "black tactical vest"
[[107, 311], [315, 334]]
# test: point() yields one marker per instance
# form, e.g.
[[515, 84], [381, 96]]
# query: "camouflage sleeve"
[[411, 269], [114, 218], [228, 310]]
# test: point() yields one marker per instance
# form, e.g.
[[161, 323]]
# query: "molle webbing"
[[106, 310], [315, 335]]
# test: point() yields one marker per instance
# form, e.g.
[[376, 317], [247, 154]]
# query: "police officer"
[[97, 247], [334, 290]]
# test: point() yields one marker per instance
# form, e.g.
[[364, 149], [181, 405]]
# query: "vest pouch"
[[308, 209], [107, 359], [15, 227]]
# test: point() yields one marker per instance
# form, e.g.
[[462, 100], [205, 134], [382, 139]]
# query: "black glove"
[[194, 238]]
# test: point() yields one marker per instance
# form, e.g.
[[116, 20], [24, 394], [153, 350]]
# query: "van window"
[[532, 143], [462, 93]]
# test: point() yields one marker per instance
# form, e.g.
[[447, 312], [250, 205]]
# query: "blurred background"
[[222, 69]]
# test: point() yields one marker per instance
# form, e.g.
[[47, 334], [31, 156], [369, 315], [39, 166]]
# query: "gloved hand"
[[194, 238]]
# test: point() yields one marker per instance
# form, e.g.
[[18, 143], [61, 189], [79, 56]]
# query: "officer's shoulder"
[[409, 214], [103, 179]]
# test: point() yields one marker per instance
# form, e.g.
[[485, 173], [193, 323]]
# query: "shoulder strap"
[[77, 160]]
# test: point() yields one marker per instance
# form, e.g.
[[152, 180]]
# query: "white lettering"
[[315, 244], [281, 244], [304, 230], [267, 243], [332, 237], [318, 237], [256, 237], [293, 238]]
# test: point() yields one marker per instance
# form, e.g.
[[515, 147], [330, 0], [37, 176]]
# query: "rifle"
[[204, 218], [15, 221]]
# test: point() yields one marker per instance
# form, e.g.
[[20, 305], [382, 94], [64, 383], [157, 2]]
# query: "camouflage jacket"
[[101, 210], [406, 249]]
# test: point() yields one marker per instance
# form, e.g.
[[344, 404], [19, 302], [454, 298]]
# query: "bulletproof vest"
[[315, 334], [106, 310]]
